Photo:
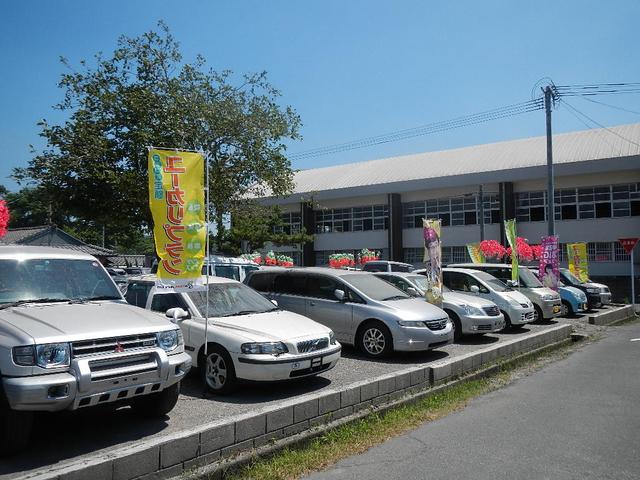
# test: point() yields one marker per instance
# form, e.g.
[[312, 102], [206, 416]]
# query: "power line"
[[601, 125], [609, 105], [436, 127]]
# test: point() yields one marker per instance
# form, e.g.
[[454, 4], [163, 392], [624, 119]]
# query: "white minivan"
[[248, 337], [516, 308]]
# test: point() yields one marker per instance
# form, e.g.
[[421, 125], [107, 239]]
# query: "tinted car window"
[[462, 282], [228, 271], [164, 301], [374, 267], [290, 284], [322, 287], [262, 282], [400, 268], [137, 294]]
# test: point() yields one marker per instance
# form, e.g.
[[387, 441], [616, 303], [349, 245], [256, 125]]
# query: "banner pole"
[[206, 256], [633, 286]]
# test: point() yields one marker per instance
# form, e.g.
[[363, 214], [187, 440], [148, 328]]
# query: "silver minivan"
[[547, 304], [360, 308]]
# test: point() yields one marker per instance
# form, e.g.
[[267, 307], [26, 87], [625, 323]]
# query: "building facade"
[[380, 204]]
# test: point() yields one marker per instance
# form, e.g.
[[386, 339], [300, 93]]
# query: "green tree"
[[95, 163]]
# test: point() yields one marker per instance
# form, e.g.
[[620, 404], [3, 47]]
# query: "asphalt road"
[[575, 419], [73, 436]]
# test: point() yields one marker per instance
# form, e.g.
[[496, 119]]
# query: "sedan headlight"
[[264, 348], [169, 340], [547, 297], [471, 310], [412, 323], [48, 355]]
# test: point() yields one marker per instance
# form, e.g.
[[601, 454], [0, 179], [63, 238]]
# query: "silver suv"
[[360, 308], [68, 340]]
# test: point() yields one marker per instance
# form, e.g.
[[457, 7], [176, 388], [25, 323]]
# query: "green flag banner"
[[510, 230], [475, 253]]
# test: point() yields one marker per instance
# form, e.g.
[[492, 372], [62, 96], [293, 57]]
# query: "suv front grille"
[[437, 324], [312, 345], [85, 348], [492, 311]]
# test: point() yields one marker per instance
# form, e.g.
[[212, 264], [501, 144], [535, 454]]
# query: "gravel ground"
[[73, 435]]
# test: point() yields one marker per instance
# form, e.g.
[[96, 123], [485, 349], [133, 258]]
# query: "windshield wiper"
[[33, 300], [395, 297], [241, 312], [100, 297]]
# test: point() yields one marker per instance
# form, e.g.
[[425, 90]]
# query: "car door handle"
[[312, 304]]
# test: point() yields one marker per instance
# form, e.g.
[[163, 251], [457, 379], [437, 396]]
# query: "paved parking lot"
[[75, 435]]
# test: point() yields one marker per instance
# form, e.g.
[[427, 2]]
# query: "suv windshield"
[[420, 280], [374, 287], [493, 282], [570, 277], [230, 299], [528, 278], [54, 279]]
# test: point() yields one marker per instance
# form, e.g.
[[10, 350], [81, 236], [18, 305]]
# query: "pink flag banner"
[[549, 260]]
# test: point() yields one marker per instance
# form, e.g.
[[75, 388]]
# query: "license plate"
[[556, 309]]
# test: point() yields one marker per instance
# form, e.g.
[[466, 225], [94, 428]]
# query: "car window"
[[400, 268], [397, 281], [374, 267], [230, 299], [503, 274], [323, 287], [161, 302], [289, 284], [462, 282], [374, 287], [353, 297], [262, 282], [137, 293], [228, 271]]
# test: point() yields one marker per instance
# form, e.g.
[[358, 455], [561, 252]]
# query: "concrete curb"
[[193, 449], [609, 317]]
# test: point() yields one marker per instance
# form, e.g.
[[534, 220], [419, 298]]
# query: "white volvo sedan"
[[248, 337]]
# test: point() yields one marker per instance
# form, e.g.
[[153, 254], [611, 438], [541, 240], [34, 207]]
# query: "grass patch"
[[358, 436]]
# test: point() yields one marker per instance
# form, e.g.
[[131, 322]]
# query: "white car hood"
[[473, 300], [64, 322], [278, 325], [517, 296]]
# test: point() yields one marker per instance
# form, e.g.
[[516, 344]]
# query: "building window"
[[581, 203], [413, 255], [599, 251], [451, 211], [455, 255], [291, 223], [356, 219], [619, 253]]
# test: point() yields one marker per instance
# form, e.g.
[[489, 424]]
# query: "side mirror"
[[274, 302], [413, 292], [176, 314], [475, 289], [339, 294]]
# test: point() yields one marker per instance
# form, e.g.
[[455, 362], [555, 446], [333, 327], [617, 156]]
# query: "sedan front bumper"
[[481, 324], [416, 339]]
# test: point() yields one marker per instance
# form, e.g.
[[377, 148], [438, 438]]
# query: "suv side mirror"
[[475, 289], [176, 314], [413, 292], [339, 294]]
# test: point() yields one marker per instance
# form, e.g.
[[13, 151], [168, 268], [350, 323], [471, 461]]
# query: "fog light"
[[58, 391]]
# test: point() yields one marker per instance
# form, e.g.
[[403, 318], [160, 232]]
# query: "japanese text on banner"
[[549, 262], [578, 263], [433, 260], [176, 200]]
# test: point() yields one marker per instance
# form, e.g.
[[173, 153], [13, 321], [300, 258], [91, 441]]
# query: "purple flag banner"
[[549, 260]]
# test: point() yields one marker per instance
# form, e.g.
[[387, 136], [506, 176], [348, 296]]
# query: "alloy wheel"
[[373, 341], [216, 375]]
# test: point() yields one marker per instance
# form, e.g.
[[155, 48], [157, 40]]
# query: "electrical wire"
[[609, 105], [600, 125], [467, 120]]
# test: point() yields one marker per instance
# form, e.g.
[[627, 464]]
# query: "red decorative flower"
[[4, 218]]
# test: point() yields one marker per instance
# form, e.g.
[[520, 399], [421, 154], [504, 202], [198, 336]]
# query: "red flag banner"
[[628, 243]]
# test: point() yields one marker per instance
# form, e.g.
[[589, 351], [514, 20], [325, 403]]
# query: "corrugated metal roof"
[[583, 146]]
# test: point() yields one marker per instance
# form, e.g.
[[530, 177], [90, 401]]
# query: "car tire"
[[217, 371], [566, 309], [374, 339], [507, 321], [457, 325], [537, 314], [157, 404], [15, 427]]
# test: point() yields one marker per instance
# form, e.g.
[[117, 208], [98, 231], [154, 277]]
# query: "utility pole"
[[480, 194], [551, 218]]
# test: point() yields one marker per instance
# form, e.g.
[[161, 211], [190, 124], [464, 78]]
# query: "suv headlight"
[[332, 338], [412, 323], [48, 355], [548, 297], [169, 339], [264, 348], [593, 290], [471, 310]]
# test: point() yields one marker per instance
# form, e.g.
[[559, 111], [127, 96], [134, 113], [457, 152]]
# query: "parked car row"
[[70, 339]]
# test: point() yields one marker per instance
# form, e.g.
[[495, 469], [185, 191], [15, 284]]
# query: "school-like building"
[[379, 204]]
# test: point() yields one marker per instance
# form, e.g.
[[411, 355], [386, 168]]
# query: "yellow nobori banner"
[[176, 199]]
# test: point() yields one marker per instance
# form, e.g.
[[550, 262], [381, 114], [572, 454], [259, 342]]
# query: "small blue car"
[[573, 300]]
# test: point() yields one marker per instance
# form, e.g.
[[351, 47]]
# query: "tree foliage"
[[144, 94]]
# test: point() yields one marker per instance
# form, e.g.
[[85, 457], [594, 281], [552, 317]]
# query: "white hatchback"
[[248, 337]]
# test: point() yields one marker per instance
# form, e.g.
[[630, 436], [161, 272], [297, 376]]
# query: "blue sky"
[[351, 69]]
